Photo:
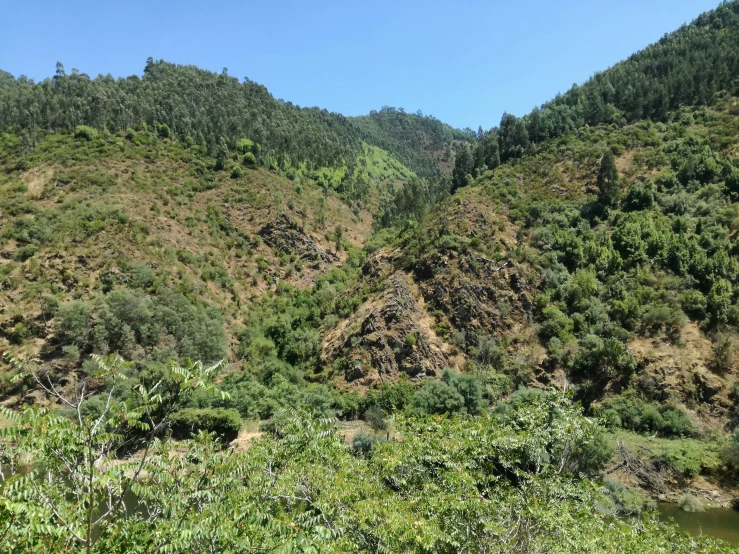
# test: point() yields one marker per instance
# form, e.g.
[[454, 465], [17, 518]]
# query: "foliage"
[[690, 503], [142, 326], [73, 496], [730, 454], [608, 183], [363, 443], [483, 484], [453, 394], [631, 412], [225, 424], [412, 138]]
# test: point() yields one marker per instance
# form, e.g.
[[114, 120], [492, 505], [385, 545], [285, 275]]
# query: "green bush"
[[621, 500], [376, 418], [437, 398], [250, 160], [18, 333], [363, 443], [554, 323], [25, 252], [85, 132], [694, 304], [468, 387], [71, 354], [388, 397], [132, 322], [689, 503], [236, 172], [632, 412], [163, 130], [591, 457], [603, 359], [224, 423], [730, 454]]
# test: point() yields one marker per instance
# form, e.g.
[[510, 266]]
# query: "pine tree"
[[608, 183], [338, 235], [464, 165]]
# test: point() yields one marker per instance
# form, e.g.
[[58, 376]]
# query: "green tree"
[[73, 499], [514, 138], [464, 166], [608, 183], [338, 235]]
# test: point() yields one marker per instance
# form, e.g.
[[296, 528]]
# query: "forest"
[[234, 324]]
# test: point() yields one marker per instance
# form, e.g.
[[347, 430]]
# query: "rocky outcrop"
[[479, 296], [386, 339], [684, 372], [284, 235]]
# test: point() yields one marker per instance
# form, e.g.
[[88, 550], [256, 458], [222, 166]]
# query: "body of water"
[[719, 523]]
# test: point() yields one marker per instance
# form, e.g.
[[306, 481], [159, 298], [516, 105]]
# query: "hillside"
[[401, 336], [423, 143]]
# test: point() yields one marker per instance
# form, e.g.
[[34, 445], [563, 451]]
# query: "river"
[[719, 523]]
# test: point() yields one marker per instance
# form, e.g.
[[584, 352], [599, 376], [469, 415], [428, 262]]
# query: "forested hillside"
[[214, 111], [414, 139], [375, 333]]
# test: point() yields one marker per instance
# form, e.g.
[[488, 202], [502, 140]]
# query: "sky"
[[463, 61]]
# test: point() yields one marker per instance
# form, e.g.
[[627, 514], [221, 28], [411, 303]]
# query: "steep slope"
[[688, 67], [215, 111], [591, 251], [421, 142], [629, 293], [92, 228]]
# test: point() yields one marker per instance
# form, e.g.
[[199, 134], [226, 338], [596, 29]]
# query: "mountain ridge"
[[388, 266]]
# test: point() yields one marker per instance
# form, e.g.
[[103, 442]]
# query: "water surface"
[[719, 523]]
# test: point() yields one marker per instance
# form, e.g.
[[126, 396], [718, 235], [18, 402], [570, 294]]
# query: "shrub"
[[694, 304], [250, 160], [437, 398], [163, 130], [590, 458], [245, 146], [25, 252], [85, 133], [236, 172], [225, 423], [18, 333], [639, 197], [363, 443], [724, 352], [468, 387], [730, 454], [555, 323], [603, 359], [690, 503], [719, 300], [376, 418], [410, 340], [631, 412], [621, 500], [389, 398], [71, 354]]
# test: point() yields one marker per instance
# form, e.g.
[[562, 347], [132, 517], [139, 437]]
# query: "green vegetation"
[[450, 484], [413, 139], [224, 424], [577, 268]]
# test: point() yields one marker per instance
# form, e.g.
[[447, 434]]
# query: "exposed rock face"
[[478, 295], [385, 339], [684, 373], [284, 235]]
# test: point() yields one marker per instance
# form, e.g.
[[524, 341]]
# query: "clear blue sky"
[[464, 62]]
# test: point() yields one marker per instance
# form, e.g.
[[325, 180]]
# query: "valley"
[[375, 333]]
